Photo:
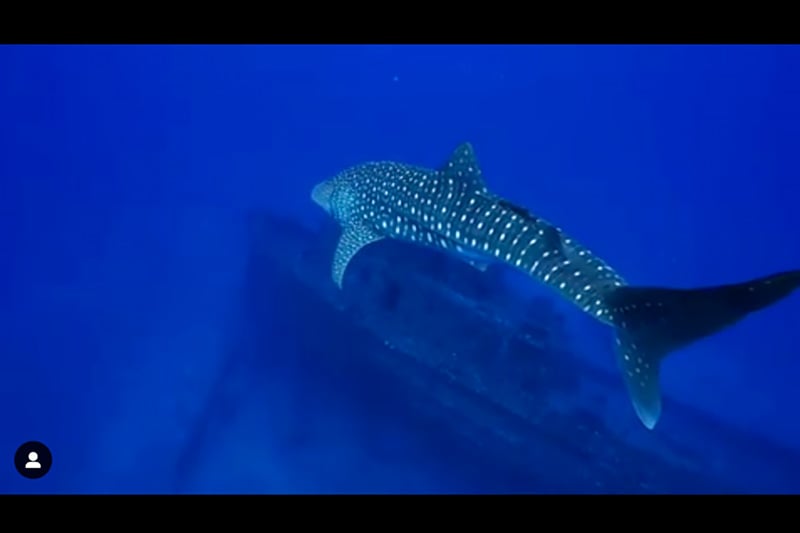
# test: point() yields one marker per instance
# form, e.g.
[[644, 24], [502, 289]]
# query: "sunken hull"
[[468, 358]]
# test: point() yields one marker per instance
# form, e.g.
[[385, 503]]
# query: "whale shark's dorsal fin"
[[463, 166]]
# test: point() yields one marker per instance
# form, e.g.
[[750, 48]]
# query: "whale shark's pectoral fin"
[[354, 237]]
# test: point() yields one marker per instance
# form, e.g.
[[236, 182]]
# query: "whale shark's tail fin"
[[652, 322]]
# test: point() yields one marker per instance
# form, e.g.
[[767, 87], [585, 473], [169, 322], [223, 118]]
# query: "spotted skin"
[[451, 209]]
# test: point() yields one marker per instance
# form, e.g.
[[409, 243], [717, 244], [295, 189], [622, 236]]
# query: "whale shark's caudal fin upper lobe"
[[652, 322]]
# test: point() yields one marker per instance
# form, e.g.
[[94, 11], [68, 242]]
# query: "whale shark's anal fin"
[[652, 322], [354, 237]]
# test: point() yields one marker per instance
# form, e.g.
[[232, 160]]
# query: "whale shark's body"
[[452, 209]]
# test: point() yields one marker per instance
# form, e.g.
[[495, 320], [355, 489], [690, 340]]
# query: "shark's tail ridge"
[[652, 322]]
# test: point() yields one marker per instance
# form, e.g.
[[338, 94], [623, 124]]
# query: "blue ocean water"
[[127, 174]]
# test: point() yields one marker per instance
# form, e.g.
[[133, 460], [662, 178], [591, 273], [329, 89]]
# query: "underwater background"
[[153, 350]]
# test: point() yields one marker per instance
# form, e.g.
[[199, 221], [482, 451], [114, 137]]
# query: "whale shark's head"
[[322, 194], [348, 193]]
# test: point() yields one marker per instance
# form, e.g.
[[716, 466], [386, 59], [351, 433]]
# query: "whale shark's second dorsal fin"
[[463, 166]]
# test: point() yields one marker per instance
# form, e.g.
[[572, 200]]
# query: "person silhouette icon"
[[33, 461]]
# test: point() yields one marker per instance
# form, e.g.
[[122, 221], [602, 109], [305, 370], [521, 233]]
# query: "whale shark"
[[451, 209]]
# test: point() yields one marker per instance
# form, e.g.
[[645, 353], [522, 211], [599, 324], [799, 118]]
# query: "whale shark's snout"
[[321, 194]]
